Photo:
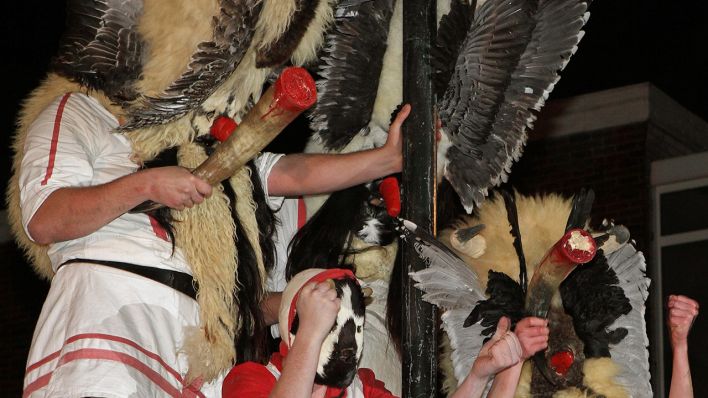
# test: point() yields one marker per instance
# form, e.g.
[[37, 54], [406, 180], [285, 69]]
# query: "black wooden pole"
[[419, 340]]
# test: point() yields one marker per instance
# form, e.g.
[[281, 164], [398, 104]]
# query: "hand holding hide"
[[317, 308]]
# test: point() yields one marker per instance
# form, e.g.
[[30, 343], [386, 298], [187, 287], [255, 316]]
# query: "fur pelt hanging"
[[183, 64], [479, 272]]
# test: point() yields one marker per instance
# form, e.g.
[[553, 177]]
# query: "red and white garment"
[[254, 380], [102, 331]]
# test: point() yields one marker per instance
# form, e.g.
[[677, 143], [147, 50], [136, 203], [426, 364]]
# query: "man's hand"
[[682, 312], [317, 308], [394, 143], [175, 187], [500, 352], [533, 335]]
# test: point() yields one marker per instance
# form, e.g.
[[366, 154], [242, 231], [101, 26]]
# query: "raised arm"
[[502, 351], [317, 308], [682, 312], [533, 335], [305, 174], [70, 213]]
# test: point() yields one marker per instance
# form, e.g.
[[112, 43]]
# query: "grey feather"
[[507, 66], [211, 64], [631, 353], [349, 73], [101, 48], [449, 284]]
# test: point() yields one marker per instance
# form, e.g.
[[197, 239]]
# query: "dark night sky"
[[626, 42]]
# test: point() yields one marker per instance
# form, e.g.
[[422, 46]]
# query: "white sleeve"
[[264, 164], [57, 154]]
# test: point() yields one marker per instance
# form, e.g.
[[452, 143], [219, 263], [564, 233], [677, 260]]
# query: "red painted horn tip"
[[296, 89]]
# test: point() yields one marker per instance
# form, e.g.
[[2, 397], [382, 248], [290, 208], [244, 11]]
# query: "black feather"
[[508, 64], [101, 48], [591, 296], [349, 71], [452, 31], [580, 210], [505, 299], [513, 217]]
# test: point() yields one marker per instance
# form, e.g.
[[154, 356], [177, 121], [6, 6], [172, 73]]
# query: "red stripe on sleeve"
[[55, 138], [301, 212]]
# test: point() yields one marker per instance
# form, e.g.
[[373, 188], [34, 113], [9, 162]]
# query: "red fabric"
[[301, 212], [249, 379], [373, 387], [255, 380]]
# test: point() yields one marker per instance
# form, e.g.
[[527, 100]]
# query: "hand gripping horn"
[[289, 96]]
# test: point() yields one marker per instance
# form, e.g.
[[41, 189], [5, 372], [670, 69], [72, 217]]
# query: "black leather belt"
[[183, 283]]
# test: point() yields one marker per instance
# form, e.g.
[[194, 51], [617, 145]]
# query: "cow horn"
[[290, 95]]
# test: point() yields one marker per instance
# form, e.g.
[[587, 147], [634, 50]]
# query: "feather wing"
[[101, 48], [452, 31], [507, 66], [349, 72], [631, 353], [211, 64], [449, 284]]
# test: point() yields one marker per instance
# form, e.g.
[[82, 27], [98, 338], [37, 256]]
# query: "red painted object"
[[222, 128], [578, 255], [561, 362], [392, 195], [295, 91]]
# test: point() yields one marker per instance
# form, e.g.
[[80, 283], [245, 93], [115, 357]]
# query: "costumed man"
[[125, 111], [321, 319]]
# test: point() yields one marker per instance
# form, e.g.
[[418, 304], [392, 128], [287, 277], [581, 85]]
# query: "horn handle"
[[292, 93], [288, 97], [575, 247]]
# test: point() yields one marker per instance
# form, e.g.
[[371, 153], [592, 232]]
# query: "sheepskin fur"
[[542, 222], [170, 45]]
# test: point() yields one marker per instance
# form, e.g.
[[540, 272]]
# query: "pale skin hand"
[[533, 335], [502, 351], [317, 307], [70, 213], [682, 312], [308, 174]]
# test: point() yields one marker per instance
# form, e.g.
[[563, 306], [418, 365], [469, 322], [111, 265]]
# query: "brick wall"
[[612, 162]]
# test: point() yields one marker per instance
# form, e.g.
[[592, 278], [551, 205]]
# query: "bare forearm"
[[306, 174], [472, 387], [681, 384], [505, 382], [70, 213], [299, 370]]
